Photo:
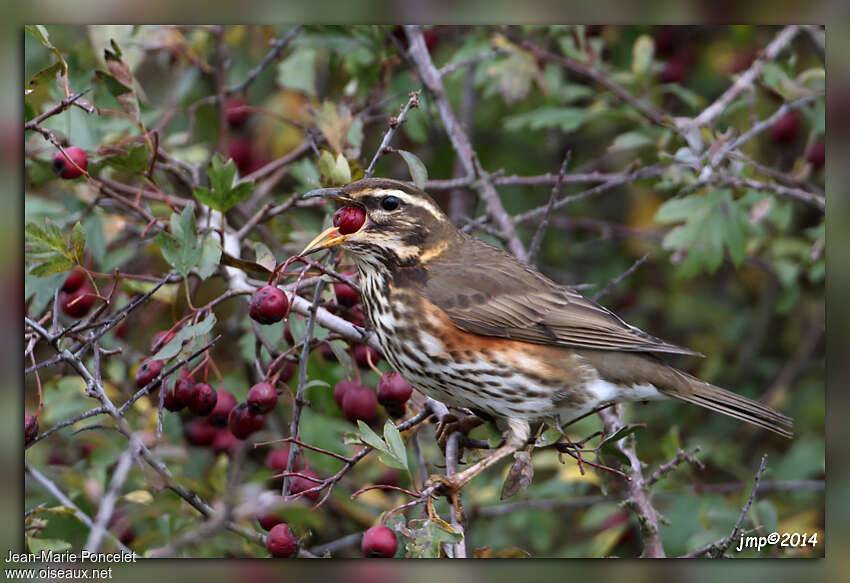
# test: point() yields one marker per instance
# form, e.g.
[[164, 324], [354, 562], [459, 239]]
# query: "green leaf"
[[36, 545], [711, 223], [417, 169], [514, 75], [132, 162], [339, 348], [225, 194], [298, 72], [371, 438], [210, 256], [54, 264], [78, 242], [630, 141], [181, 249], [396, 444], [188, 334], [428, 535], [569, 119], [341, 173]]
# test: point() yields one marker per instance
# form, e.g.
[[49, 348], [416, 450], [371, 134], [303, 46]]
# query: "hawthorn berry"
[[236, 116], [147, 371], [363, 354], [345, 294], [816, 154], [298, 484], [73, 282], [269, 520], [241, 150], [203, 399], [181, 393], [359, 403], [349, 219], [341, 388], [262, 398], [280, 541], [379, 542], [78, 302], [243, 422], [30, 428], [786, 128], [393, 392], [160, 339], [223, 406], [64, 164], [268, 305], [286, 369], [199, 432], [225, 442], [277, 459]]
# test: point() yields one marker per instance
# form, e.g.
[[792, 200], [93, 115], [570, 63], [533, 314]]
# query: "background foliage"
[[733, 235]]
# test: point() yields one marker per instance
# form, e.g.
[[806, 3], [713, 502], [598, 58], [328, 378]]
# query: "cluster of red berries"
[[359, 402], [76, 297]]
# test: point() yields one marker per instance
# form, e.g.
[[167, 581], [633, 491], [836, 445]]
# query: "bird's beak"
[[330, 237], [332, 193]]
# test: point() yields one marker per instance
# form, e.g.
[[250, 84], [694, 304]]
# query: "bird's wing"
[[485, 291]]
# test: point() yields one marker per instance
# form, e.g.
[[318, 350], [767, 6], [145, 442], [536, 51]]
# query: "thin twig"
[[614, 282], [721, 548], [541, 228], [395, 123]]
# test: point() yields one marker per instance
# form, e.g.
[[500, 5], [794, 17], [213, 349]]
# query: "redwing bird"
[[472, 326]]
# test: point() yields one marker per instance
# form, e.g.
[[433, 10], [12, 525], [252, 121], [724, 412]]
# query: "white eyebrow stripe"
[[409, 199]]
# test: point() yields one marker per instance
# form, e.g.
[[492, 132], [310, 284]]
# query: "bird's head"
[[401, 226]]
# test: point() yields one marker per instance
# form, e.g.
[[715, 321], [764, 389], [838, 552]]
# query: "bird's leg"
[[516, 437]]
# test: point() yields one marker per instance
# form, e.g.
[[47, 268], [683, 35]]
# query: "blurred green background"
[[713, 313]]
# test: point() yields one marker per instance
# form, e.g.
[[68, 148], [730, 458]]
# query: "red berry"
[[786, 128], [30, 428], [180, 394], [199, 432], [147, 372], [327, 351], [675, 70], [262, 398], [77, 303], [349, 219], [241, 150], [269, 520], [236, 116], [268, 305], [363, 354], [817, 154], [280, 541], [223, 406], [286, 369], [120, 525], [345, 294], [359, 403], [203, 399], [225, 442], [243, 422], [341, 388], [393, 390], [63, 166], [73, 282], [355, 316], [160, 339], [277, 459], [379, 542], [298, 484]]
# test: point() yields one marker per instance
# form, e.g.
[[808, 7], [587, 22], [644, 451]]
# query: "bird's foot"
[[451, 423]]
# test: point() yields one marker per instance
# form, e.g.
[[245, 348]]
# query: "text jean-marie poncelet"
[[84, 556]]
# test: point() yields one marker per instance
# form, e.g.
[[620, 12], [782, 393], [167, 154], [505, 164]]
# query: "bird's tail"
[[706, 395]]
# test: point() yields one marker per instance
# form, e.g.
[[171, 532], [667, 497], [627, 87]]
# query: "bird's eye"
[[390, 203]]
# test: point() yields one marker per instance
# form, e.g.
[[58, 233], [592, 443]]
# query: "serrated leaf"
[[55, 264], [341, 172], [181, 248], [371, 438], [417, 169], [427, 537], [396, 444], [210, 256], [78, 242]]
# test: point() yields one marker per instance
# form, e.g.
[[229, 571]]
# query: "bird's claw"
[[452, 423]]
